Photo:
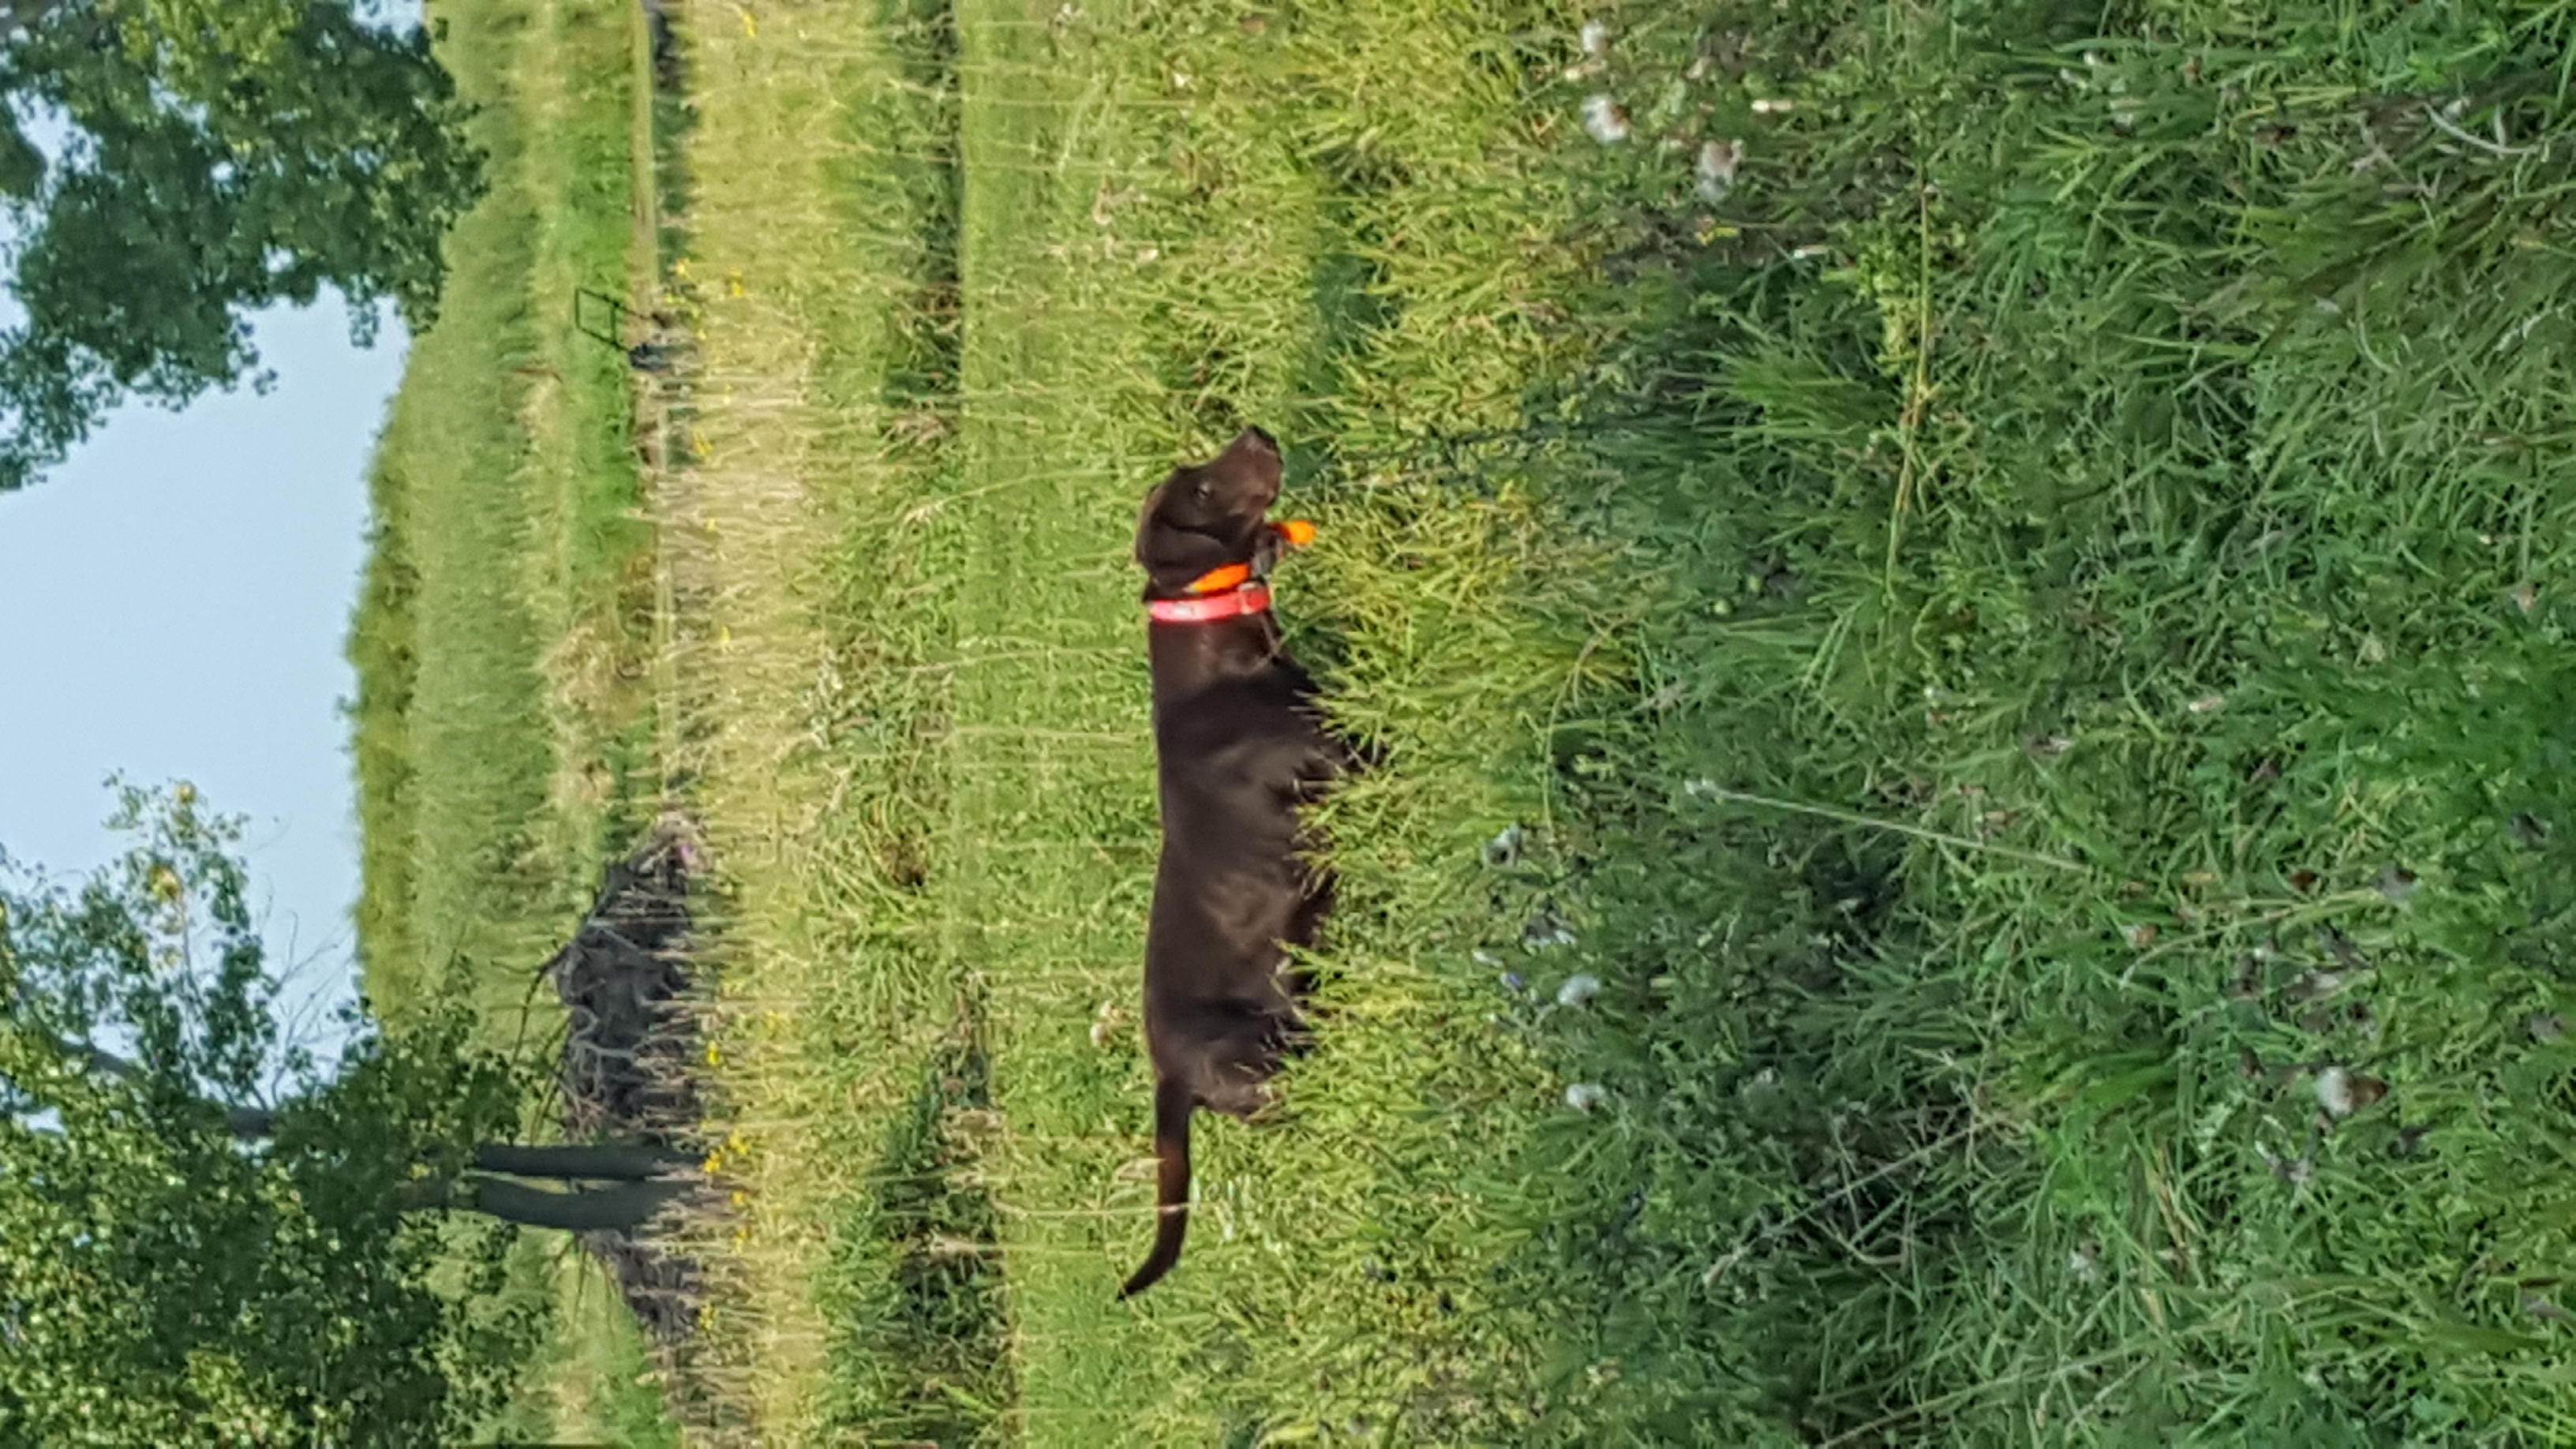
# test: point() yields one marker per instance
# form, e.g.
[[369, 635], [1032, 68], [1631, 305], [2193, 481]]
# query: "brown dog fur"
[[1238, 750]]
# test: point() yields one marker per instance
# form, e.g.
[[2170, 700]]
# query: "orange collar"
[[1229, 592]]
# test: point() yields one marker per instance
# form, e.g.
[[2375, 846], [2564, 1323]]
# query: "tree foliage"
[[222, 156], [181, 1265]]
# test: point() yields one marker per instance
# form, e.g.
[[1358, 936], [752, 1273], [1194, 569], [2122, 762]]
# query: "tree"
[[199, 1226], [220, 156]]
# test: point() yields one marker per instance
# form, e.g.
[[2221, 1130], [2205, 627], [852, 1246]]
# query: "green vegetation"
[[2017, 625], [498, 636], [814, 567], [503, 722], [203, 163], [2008, 564], [604, 1387], [2162, 471], [141, 1056]]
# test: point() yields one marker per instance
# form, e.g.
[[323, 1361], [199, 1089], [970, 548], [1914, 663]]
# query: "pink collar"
[[1251, 598]]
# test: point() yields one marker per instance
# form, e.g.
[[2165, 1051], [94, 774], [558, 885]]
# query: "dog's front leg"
[[1331, 755]]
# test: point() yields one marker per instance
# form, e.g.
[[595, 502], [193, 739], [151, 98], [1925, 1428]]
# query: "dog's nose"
[[1255, 437]]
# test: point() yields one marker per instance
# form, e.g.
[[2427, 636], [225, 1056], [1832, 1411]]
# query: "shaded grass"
[[607, 1389], [2114, 521], [2146, 474]]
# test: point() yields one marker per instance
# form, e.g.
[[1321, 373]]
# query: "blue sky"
[[177, 596]]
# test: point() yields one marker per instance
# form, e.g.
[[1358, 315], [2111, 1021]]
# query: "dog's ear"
[[1171, 555]]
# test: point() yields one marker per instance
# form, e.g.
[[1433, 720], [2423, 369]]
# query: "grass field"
[[2009, 565], [498, 642], [503, 723]]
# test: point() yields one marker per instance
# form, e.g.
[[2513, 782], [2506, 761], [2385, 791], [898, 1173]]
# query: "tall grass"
[[1195, 244], [496, 641], [500, 720], [2007, 564], [2146, 471], [813, 565]]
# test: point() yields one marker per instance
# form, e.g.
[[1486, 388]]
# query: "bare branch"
[[248, 1123]]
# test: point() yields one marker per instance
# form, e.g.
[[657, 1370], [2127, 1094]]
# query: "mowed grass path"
[[2011, 571]]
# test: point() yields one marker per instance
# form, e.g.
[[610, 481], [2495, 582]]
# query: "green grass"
[[502, 724], [2158, 490], [605, 1389], [811, 568], [495, 642], [1301, 269], [2024, 639]]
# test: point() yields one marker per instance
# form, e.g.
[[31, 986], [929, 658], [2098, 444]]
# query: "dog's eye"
[[1203, 491]]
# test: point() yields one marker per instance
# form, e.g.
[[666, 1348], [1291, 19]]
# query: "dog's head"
[[1209, 515]]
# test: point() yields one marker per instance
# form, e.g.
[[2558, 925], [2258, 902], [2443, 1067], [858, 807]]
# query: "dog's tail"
[[1173, 1102]]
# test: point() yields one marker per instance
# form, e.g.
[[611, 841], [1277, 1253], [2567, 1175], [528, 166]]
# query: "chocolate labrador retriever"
[[1239, 749]]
